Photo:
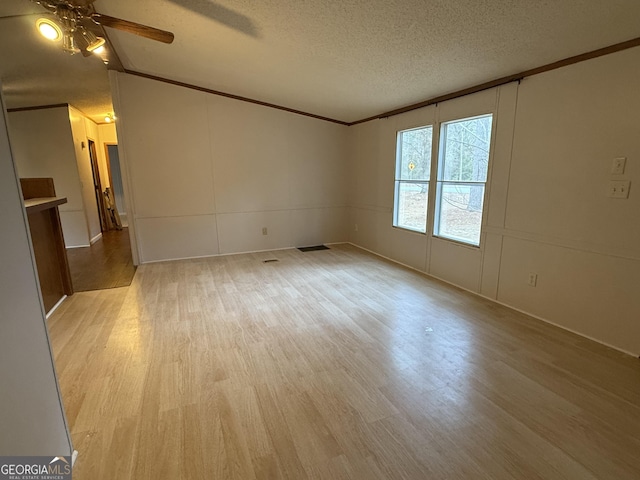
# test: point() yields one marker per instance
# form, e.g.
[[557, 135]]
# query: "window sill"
[[459, 243], [409, 230]]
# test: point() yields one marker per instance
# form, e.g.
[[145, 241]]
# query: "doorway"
[[97, 185], [108, 263], [115, 180]]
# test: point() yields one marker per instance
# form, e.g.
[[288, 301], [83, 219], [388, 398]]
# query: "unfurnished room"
[[300, 240]]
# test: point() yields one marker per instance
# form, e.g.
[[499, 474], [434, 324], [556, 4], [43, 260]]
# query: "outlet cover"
[[619, 188]]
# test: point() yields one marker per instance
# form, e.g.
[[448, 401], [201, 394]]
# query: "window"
[[462, 175], [413, 165]]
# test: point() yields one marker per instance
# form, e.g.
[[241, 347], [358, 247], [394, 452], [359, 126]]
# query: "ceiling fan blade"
[[81, 3], [132, 27], [224, 15]]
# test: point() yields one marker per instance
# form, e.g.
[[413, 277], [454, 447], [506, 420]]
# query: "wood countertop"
[[38, 204]]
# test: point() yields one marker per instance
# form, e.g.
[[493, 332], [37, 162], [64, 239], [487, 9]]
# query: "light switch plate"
[[617, 167]]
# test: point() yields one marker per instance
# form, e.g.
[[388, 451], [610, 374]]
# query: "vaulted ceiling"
[[342, 59]]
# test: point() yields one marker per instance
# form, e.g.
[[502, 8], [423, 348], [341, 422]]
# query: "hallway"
[[106, 264]]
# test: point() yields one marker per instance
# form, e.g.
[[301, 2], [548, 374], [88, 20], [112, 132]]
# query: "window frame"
[[439, 183], [398, 181]]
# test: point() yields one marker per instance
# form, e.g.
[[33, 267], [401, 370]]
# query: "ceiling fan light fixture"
[[69, 44], [49, 29], [68, 18], [100, 50], [93, 42], [99, 43]]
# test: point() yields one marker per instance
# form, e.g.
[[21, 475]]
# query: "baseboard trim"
[[562, 327], [95, 239], [498, 302], [53, 309], [149, 262]]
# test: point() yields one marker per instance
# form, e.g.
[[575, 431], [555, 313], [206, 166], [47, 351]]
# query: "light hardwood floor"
[[333, 365]]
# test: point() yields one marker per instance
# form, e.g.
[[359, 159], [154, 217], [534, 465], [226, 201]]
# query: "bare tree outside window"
[[462, 176], [413, 168]]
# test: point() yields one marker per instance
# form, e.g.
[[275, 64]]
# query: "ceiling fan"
[[77, 20]]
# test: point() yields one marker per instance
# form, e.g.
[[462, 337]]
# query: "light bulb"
[[93, 41], [49, 29]]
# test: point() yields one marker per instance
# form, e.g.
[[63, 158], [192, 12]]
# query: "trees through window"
[[413, 170], [462, 175]]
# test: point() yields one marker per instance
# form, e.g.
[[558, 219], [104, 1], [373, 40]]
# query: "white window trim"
[[397, 182], [438, 183]]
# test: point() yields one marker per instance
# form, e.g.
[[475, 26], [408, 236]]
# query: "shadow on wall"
[[116, 179]]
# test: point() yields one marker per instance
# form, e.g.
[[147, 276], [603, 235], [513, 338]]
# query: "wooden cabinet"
[[49, 250]]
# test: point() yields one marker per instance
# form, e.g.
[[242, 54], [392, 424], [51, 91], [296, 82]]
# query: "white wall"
[[108, 136], [559, 222], [43, 147], [547, 211], [204, 174], [31, 413], [81, 134]]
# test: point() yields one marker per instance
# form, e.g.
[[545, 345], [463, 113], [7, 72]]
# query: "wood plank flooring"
[[332, 365], [105, 264]]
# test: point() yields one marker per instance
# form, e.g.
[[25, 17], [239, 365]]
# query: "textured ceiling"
[[343, 59]]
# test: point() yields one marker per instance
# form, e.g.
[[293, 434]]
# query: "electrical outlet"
[[619, 189], [264, 230], [533, 279], [617, 167], [355, 227]]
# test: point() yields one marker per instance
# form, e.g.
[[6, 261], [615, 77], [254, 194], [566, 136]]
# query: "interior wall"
[[43, 147], [80, 135], [93, 133], [108, 133], [559, 221], [547, 211], [31, 412], [109, 140], [205, 174], [107, 136], [117, 186]]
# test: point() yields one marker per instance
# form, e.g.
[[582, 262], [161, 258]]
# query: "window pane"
[[461, 212], [466, 150], [411, 204], [414, 152]]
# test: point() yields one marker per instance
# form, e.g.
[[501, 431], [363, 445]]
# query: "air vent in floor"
[[313, 249]]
